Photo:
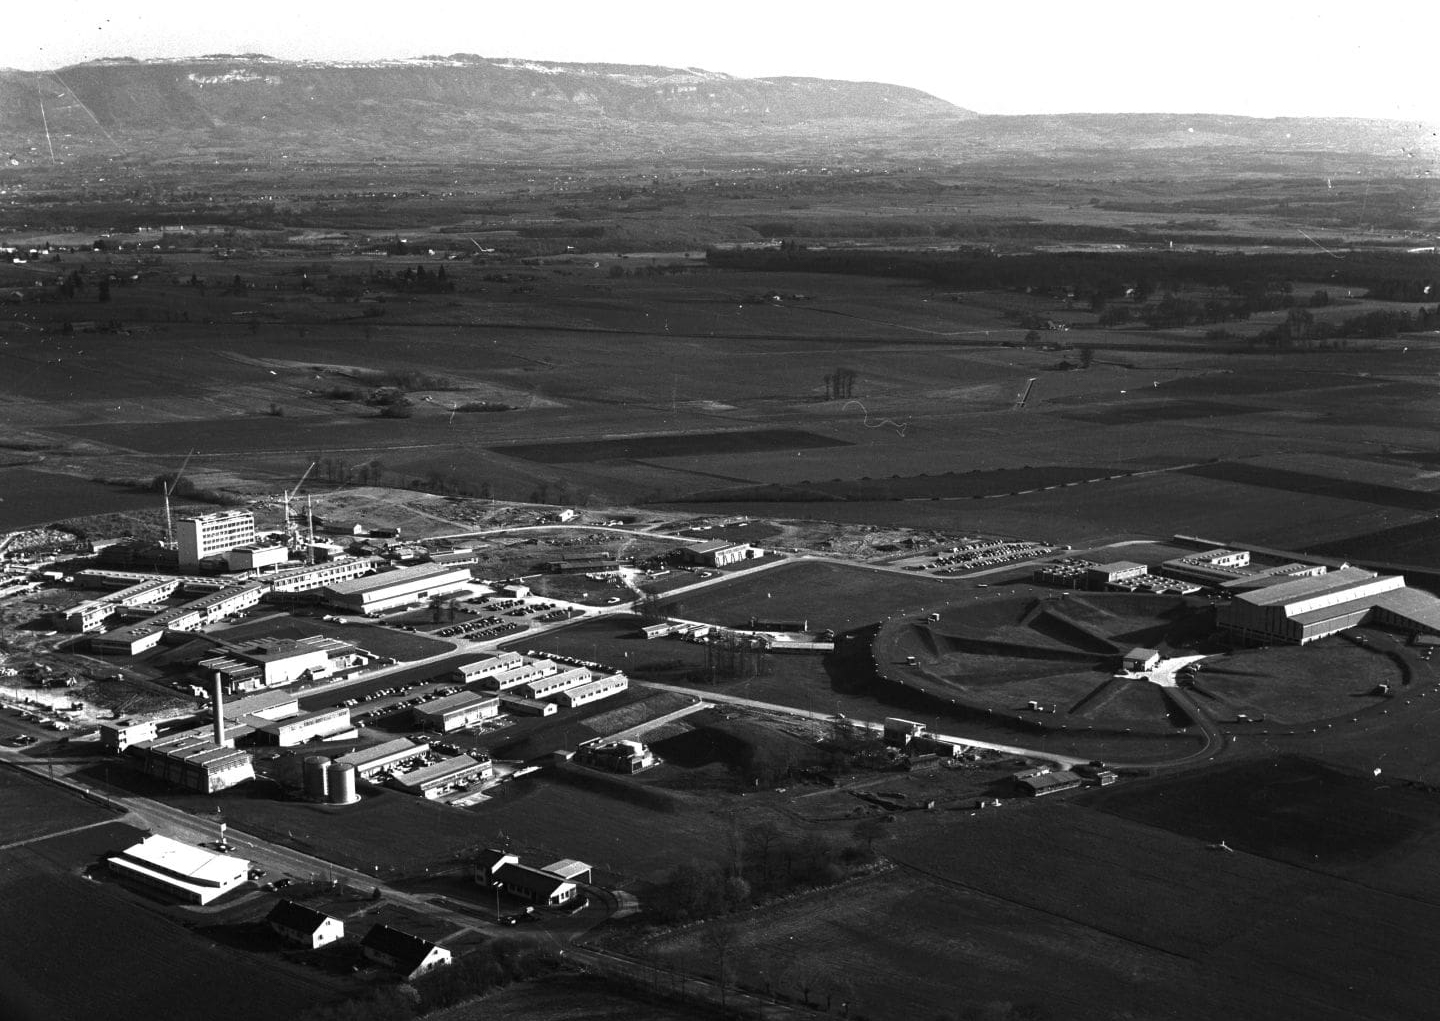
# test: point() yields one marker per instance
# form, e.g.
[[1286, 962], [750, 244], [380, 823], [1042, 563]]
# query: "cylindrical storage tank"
[[342, 783], [314, 780]]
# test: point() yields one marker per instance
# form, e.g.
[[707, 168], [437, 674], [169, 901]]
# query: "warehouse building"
[[209, 535], [553, 684], [456, 712], [1101, 576], [255, 557], [582, 694], [275, 662], [380, 757], [718, 553], [1051, 782], [193, 875], [1296, 611], [323, 723], [399, 951], [303, 925], [442, 777], [389, 590]]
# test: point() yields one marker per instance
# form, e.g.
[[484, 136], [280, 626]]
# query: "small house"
[[303, 925], [409, 955]]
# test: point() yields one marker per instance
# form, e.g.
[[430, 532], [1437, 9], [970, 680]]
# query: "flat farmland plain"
[[1181, 932]]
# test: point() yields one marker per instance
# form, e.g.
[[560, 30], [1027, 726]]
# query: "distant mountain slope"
[[464, 106], [462, 103]]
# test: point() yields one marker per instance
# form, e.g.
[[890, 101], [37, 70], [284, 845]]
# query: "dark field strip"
[[949, 485], [1415, 543], [1317, 485], [670, 445], [1142, 412]]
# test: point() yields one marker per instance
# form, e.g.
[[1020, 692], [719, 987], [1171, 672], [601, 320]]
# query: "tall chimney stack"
[[218, 702]]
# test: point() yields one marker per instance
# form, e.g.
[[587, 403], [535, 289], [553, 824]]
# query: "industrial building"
[[323, 723], [209, 535], [369, 761], [193, 760], [554, 683], [193, 875], [527, 671], [1038, 784], [1100, 576], [409, 955], [1140, 659], [275, 662], [718, 553], [617, 756], [388, 590], [255, 557], [594, 691], [1300, 610], [456, 712], [92, 615], [502, 870], [442, 777], [133, 639], [304, 925], [117, 735]]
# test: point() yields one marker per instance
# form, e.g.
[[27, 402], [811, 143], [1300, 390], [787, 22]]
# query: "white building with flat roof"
[[388, 590], [194, 875], [209, 535], [456, 712]]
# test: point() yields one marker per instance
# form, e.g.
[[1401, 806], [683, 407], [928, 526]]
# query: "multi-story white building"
[[211, 534], [388, 590]]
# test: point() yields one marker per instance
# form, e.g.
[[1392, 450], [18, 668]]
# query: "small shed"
[[1140, 659]]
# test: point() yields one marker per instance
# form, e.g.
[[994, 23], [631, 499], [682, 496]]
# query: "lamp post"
[[496, 887]]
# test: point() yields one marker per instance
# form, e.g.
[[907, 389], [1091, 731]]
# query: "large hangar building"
[[1296, 611]]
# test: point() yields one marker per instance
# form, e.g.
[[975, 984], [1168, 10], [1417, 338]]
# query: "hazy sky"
[[1257, 57]]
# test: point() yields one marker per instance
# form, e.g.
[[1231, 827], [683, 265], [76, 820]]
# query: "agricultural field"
[[31, 808], [75, 970], [1182, 931]]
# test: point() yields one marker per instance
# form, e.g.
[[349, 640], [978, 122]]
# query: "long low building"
[[275, 662], [1300, 610], [498, 663], [305, 727], [594, 691], [377, 593], [369, 761], [554, 684], [456, 712], [441, 777], [194, 875]]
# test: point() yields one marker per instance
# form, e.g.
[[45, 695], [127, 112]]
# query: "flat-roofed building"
[[377, 593], [193, 875], [369, 761], [582, 694], [256, 558], [305, 727], [263, 706], [617, 756], [553, 684], [304, 925], [718, 553], [208, 535], [442, 777], [331, 572], [456, 712], [275, 662], [117, 735], [1102, 575]]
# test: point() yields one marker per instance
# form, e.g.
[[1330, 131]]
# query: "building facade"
[[209, 535]]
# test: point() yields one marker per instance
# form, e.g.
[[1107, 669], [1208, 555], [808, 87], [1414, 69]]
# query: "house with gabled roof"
[[304, 925], [410, 955]]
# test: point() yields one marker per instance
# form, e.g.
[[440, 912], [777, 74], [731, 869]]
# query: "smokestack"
[[219, 705]]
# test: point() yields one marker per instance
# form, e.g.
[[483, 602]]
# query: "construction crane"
[[292, 523], [168, 489]]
